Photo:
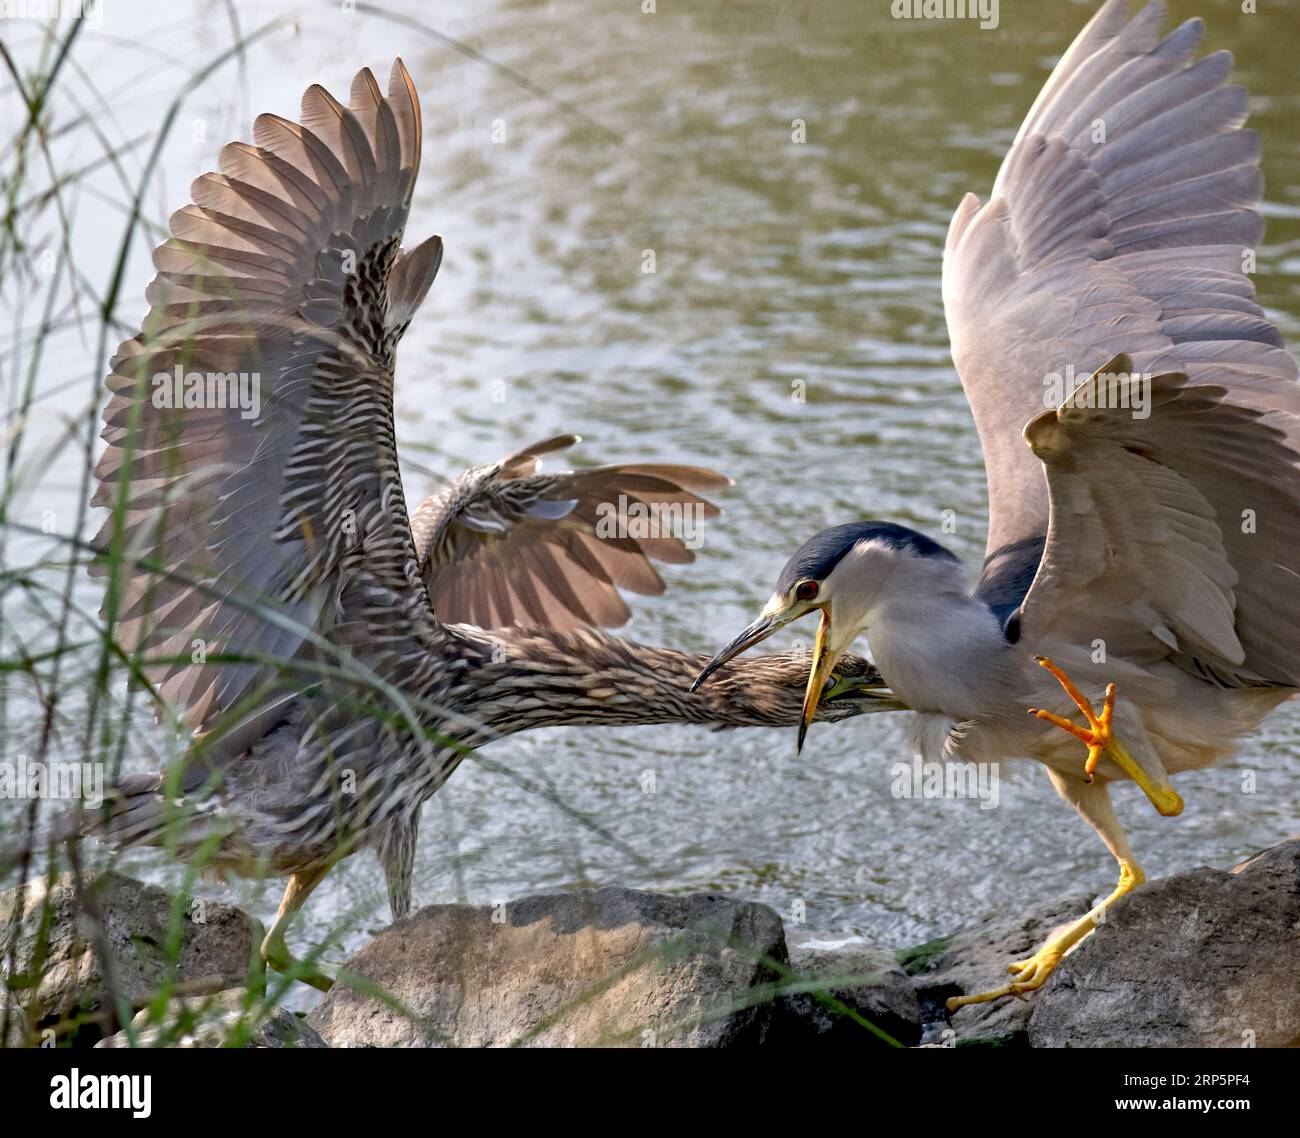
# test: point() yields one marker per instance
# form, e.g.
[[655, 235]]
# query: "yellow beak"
[[823, 662]]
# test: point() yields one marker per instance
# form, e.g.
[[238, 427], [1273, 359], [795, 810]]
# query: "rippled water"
[[775, 262]]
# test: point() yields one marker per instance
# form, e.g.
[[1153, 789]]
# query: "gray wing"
[[1162, 527], [505, 545], [240, 527], [1122, 220]]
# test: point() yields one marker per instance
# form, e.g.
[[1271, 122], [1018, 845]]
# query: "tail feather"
[[135, 812]]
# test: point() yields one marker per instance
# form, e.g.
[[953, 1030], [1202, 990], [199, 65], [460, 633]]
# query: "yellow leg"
[[275, 952], [1099, 738], [1033, 973]]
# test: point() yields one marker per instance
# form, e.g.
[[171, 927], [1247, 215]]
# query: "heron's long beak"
[[823, 661], [761, 629]]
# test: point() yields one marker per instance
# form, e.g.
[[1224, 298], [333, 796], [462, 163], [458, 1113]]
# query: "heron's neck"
[[940, 650], [539, 678]]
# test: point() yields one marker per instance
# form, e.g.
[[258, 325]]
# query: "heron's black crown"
[[818, 556]]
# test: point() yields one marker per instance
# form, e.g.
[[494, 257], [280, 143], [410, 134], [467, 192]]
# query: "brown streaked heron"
[[334, 659], [1144, 533]]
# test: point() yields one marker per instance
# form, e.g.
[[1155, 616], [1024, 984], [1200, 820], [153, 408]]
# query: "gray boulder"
[[849, 981], [62, 982], [225, 1020], [598, 967], [1205, 958], [976, 960]]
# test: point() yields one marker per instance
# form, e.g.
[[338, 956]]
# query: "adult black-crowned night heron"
[[334, 659], [1146, 542]]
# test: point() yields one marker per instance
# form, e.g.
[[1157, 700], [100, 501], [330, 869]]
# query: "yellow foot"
[[277, 956], [1030, 974], [1033, 973], [1100, 739]]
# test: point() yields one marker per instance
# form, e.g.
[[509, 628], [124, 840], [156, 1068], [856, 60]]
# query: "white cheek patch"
[[776, 604]]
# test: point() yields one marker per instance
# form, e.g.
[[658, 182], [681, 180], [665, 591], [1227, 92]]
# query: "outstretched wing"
[[506, 546], [1122, 220], [243, 506], [1167, 501]]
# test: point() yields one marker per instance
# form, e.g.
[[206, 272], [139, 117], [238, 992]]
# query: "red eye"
[[807, 590]]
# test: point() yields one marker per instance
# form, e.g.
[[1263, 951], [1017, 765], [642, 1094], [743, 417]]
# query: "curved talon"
[[1016, 988], [1101, 736], [1031, 974]]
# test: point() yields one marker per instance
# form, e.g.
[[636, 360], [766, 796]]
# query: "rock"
[[976, 960], [864, 980], [71, 995], [1241, 865], [1205, 958], [599, 967], [218, 1021]]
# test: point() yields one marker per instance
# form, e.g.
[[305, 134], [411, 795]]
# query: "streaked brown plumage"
[[499, 545], [263, 569]]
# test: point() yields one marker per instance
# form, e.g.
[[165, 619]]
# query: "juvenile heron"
[[1146, 542], [335, 660]]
